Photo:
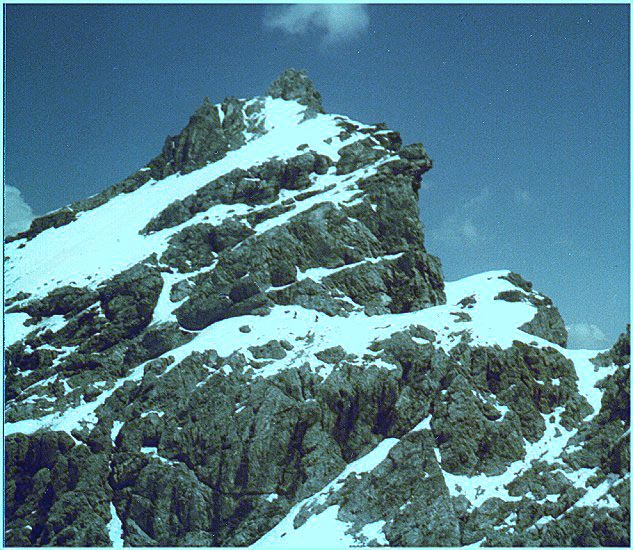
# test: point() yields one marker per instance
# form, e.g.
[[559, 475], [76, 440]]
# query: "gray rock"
[[518, 281], [257, 185], [63, 300], [128, 299], [358, 155], [58, 218], [547, 322], [294, 84], [331, 355], [270, 350], [423, 514]]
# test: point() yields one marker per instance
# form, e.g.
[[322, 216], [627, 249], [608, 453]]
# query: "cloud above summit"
[[338, 22], [17, 213]]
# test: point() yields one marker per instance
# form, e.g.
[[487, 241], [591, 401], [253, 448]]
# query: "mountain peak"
[[294, 84], [253, 319]]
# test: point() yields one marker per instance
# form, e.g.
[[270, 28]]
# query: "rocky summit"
[[246, 343]]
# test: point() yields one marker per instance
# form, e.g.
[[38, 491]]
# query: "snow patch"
[[423, 425], [374, 532], [115, 528], [71, 418], [116, 428], [324, 529]]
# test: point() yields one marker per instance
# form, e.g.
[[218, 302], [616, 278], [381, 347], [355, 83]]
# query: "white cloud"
[[338, 21], [462, 228], [17, 214], [585, 336]]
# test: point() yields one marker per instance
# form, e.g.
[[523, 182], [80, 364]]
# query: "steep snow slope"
[[105, 241]]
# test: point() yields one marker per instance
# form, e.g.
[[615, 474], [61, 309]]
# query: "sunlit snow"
[[111, 231], [324, 529], [115, 528]]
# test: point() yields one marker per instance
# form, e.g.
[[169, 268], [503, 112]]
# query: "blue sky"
[[524, 110]]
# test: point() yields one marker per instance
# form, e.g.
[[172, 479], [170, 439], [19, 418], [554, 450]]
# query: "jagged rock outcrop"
[[258, 344], [295, 85], [548, 322], [211, 132]]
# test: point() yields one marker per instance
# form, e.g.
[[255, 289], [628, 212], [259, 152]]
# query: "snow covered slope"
[[252, 319], [109, 237]]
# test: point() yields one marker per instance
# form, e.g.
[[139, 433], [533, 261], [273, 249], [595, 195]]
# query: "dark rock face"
[[129, 298], [217, 466], [54, 219], [428, 519], [357, 155], [607, 437], [205, 139], [59, 489], [295, 85], [256, 186], [547, 323], [474, 436], [61, 301], [620, 353], [292, 362]]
